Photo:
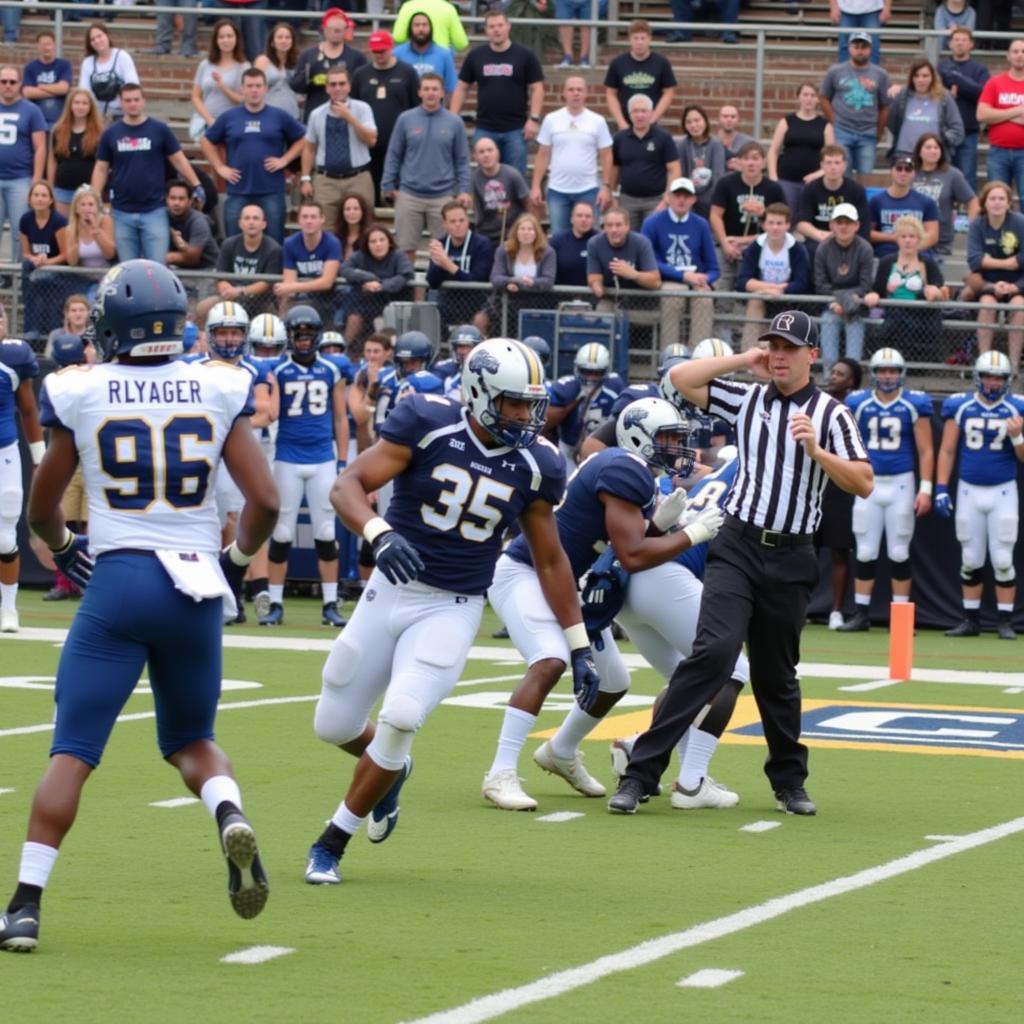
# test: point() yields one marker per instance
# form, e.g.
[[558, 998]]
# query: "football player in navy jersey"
[[582, 401], [610, 499], [462, 341], [374, 382], [461, 474], [983, 435], [18, 367], [312, 442], [894, 422], [413, 352], [150, 432]]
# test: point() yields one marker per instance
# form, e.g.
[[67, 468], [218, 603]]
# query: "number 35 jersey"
[[986, 453], [149, 440], [457, 496]]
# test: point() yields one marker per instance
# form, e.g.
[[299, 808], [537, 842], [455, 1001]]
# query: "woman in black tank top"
[[794, 156]]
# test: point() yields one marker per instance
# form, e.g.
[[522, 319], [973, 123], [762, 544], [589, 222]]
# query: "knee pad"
[[278, 551], [970, 577], [900, 570], [391, 745], [865, 570], [11, 500], [326, 550], [5, 540], [1005, 576]]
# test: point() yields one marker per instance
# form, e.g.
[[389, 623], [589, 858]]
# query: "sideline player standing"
[[150, 432], [762, 567], [983, 430], [893, 421], [462, 475], [18, 367]]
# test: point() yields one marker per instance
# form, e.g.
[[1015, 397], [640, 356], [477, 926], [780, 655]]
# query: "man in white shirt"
[[575, 144]]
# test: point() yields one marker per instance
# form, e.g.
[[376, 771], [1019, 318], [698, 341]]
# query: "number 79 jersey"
[[305, 426], [149, 440], [985, 455], [457, 496]]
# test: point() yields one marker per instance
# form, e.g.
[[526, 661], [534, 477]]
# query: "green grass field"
[[465, 902]]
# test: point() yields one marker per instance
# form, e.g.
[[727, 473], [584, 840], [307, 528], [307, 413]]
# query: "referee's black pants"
[[754, 593]]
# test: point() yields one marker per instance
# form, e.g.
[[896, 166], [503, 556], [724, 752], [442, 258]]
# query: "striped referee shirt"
[[778, 487]]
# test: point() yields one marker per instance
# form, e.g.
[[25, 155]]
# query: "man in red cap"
[[390, 87], [310, 74]]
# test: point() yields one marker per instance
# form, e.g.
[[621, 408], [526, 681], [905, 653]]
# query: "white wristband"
[[65, 542], [1017, 441], [238, 556], [37, 450], [925, 487], [576, 636], [374, 528]]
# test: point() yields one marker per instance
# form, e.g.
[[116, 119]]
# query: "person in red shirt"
[[1001, 107]]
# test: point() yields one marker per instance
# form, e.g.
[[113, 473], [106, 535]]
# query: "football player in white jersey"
[[150, 432]]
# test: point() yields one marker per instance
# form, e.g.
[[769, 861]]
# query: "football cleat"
[[835, 620], [261, 603], [331, 617], [968, 627], [504, 790], [622, 751], [569, 768], [859, 622], [274, 617], [795, 801], [19, 930], [247, 881], [240, 616], [708, 794], [384, 816], [627, 797], [322, 866], [1005, 631], [9, 621]]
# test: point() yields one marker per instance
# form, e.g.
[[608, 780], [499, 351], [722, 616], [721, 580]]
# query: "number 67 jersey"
[[149, 439], [457, 496], [986, 456]]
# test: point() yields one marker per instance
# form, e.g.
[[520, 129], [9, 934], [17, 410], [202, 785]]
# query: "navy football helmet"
[[67, 350], [540, 346], [462, 341], [411, 347], [303, 326], [139, 310]]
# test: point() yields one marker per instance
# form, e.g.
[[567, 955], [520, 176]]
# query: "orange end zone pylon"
[[901, 640]]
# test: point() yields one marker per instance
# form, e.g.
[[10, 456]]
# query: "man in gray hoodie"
[[427, 164]]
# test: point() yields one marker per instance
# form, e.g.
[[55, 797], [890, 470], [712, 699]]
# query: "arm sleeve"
[[546, 270], [725, 398], [975, 243], [800, 271], [748, 266], [501, 273], [843, 436]]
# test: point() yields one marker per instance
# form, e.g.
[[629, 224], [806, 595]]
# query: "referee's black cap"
[[793, 326]]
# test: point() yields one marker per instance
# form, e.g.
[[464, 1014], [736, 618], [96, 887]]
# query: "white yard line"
[[178, 801], [710, 977], [256, 955], [560, 816], [760, 826], [558, 984]]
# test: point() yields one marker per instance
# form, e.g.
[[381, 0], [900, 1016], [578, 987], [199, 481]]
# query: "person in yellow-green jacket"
[[448, 30]]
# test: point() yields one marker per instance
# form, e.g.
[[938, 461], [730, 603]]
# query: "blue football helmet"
[[503, 368], [139, 310], [303, 326], [228, 316], [463, 339], [411, 346], [540, 346], [67, 350], [671, 355], [654, 429], [993, 364], [887, 359]]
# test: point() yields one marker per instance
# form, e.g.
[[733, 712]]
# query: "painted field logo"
[[985, 732]]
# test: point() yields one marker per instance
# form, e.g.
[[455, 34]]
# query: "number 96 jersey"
[[986, 453], [149, 440], [457, 496]]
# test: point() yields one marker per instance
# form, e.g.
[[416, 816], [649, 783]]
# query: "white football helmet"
[[267, 331], [331, 339], [227, 315], [994, 364], [505, 368], [591, 362], [711, 347], [887, 359], [656, 431]]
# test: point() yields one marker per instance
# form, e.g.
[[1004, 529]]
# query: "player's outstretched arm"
[[627, 532], [249, 469]]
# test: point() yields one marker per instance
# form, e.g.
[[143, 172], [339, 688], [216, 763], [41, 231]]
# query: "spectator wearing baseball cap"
[[860, 14], [900, 200], [310, 75], [389, 87], [685, 252], [842, 274]]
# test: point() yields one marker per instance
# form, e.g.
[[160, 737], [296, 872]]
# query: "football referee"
[[762, 566]]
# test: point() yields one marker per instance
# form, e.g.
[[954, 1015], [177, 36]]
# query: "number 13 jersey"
[[149, 439], [457, 496]]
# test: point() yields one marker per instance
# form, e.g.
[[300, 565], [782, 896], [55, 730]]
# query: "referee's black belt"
[[342, 177], [767, 538]]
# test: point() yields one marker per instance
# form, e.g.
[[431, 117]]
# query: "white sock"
[[8, 595], [514, 730], [972, 605], [330, 592], [862, 600], [345, 820], [577, 725], [699, 751], [683, 745], [1007, 608], [900, 598], [276, 593], [37, 862], [217, 789]]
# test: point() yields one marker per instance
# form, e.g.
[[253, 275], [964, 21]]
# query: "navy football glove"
[[397, 558], [585, 680], [604, 593], [943, 502], [73, 559]]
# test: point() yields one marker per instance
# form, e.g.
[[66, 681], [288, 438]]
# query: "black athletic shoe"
[[331, 617], [857, 623], [57, 594], [19, 930], [966, 628], [500, 634], [247, 881], [794, 801], [627, 798], [1005, 631]]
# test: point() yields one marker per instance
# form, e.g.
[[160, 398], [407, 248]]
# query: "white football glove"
[[705, 526], [726, 454], [666, 515]]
